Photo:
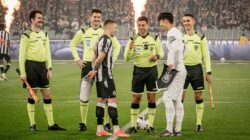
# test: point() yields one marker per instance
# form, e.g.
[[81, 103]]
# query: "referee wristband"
[[209, 73]]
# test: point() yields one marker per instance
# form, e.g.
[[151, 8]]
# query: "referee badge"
[[196, 47], [87, 42], [138, 50]]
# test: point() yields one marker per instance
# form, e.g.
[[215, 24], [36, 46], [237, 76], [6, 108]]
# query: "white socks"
[[174, 109]]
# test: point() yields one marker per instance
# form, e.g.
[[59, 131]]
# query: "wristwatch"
[[209, 73]]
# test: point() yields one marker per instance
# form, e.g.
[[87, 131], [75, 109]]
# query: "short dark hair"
[[109, 21], [189, 15], [2, 26], [96, 11], [33, 14], [166, 15], [143, 18]]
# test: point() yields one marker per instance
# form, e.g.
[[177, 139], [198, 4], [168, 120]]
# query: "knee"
[[136, 99], [84, 98], [46, 96], [151, 98], [46, 93], [198, 96]]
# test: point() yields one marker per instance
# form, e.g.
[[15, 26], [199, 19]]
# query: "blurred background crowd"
[[218, 19]]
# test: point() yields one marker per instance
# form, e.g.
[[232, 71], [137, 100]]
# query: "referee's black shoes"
[[56, 127]]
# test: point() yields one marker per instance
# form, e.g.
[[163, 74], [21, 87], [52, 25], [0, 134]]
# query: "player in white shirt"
[[173, 94]]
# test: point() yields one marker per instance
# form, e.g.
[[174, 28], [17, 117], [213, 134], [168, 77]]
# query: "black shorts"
[[106, 89], [6, 57], [86, 69], [195, 77], [36, 73], [142, 77]]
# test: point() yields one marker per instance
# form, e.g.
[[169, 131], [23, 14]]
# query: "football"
[[222, 60], [142, 123]]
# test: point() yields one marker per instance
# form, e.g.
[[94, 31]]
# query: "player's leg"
[[151, 88], [31, 112], [48, 108], [107, 125], [151, 111], [186, 84], [101, 101], [197, 83], [47, 105], [44, 86], [170, 114], [179, 109], [137, 91], [134, 111], [85, 92], [179, 114], [7, 58], [112, 108], [199, 110], [32, 77], [172, 100], [1, 67]]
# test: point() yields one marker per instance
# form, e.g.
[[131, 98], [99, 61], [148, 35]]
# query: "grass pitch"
[[229, 120]]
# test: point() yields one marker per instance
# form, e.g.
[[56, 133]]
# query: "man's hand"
[[49, 75], [153, 58], [23, 78], [209, 78], [91, 75], [80, 63], [170, 67], [132, 44]]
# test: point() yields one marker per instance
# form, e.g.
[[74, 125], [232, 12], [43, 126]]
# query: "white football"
[[222, 60], [142, 123]]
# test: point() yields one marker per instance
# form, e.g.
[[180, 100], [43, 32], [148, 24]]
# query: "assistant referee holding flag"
[[36, 67], [198, 52]]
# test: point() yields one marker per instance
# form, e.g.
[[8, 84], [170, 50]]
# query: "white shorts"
[[175, 89]]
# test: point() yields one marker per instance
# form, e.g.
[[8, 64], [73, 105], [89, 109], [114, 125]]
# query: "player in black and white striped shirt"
[[4, 50], [105, 86]]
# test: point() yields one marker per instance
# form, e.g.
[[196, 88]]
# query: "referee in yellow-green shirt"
[[36, 67], [146, 49], [197, 53], [88, 36]]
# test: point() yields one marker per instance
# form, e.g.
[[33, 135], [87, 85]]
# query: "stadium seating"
[[223, 19]]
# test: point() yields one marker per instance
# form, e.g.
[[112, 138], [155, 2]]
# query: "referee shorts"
[[86, 69], [144, 76], [6, 57], [36, 73], [195, 77]]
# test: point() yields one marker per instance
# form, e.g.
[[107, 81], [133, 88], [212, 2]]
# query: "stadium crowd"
[[60, 19]]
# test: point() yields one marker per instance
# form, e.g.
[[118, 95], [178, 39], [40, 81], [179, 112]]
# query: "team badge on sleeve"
[[171, 39]]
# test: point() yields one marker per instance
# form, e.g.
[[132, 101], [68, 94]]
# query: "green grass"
[[229, 120]]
